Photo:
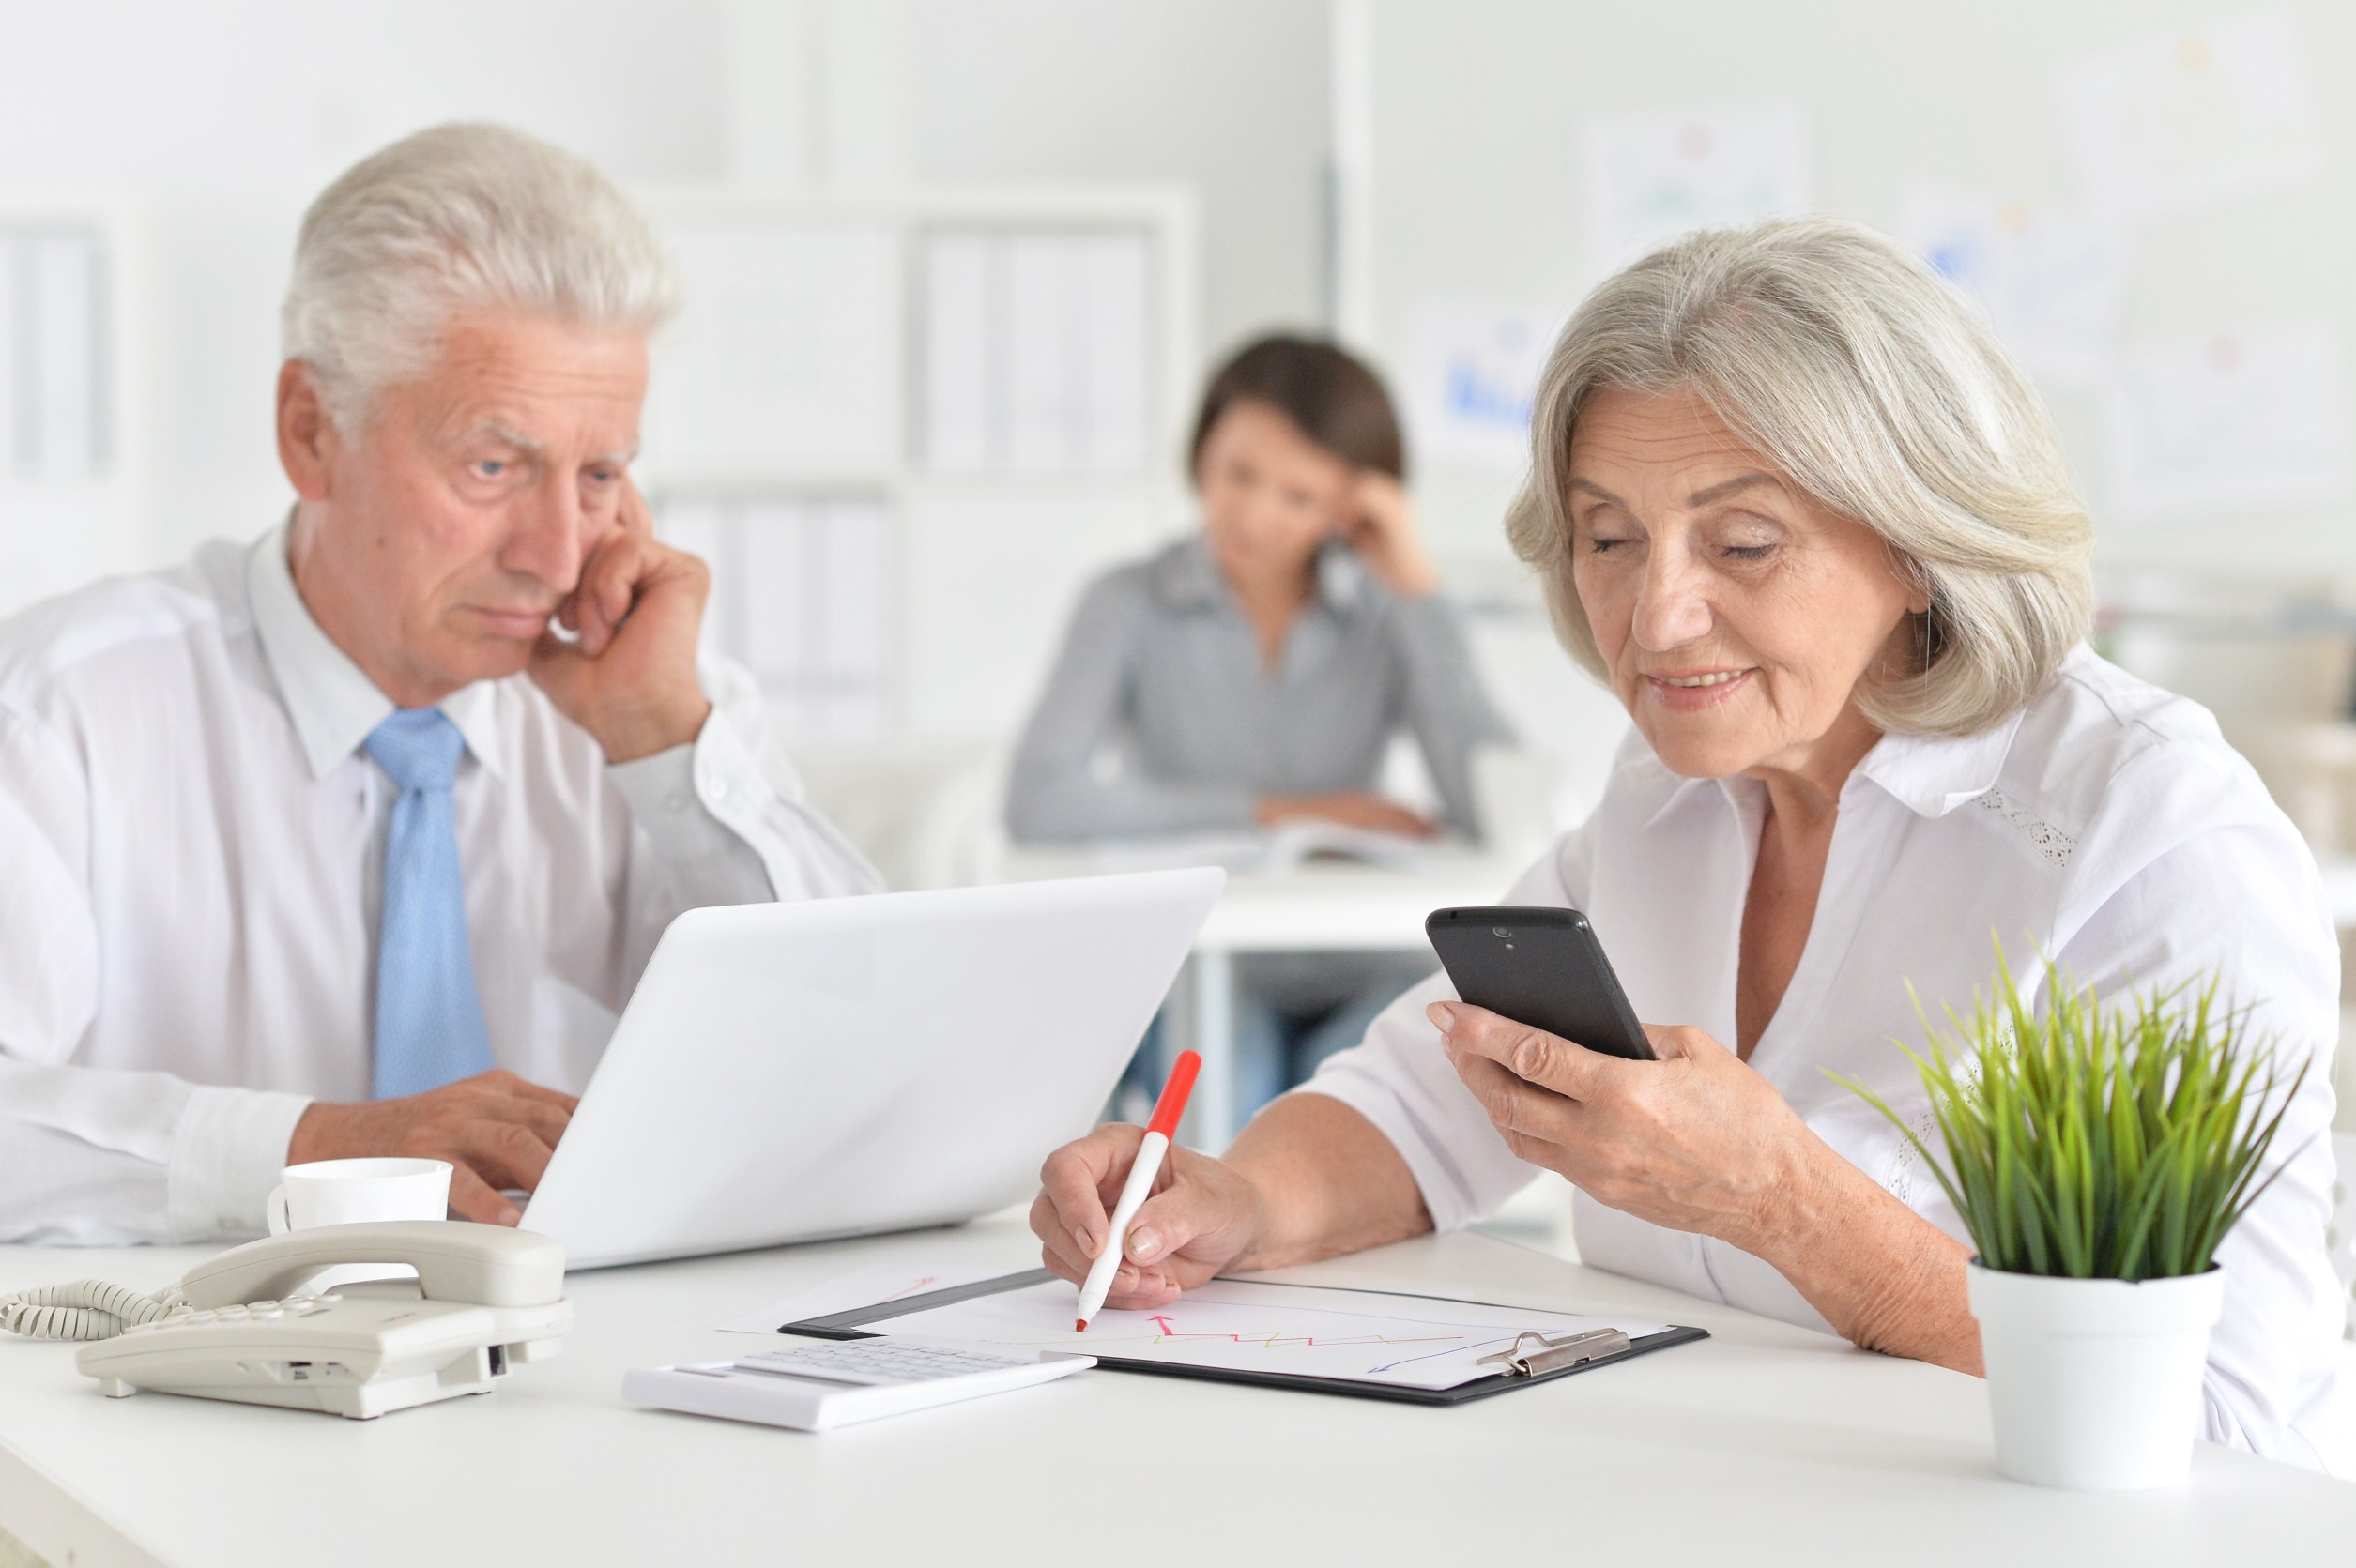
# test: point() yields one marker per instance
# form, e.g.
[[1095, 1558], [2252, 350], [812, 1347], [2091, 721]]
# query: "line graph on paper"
[[1390, 1340], [1249, 1327]]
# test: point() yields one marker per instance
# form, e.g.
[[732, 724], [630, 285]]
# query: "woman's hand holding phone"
[[1694, 1141]]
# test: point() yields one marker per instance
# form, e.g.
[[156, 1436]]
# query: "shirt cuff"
[[227, 1152], [666, 800], [748, 802]]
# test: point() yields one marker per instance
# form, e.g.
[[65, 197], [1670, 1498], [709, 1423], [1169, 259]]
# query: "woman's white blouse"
[[2108, 825]]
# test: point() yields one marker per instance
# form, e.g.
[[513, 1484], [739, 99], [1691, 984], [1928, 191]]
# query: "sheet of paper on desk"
[[885, 1283], [1413, 1341], [1276, 853]]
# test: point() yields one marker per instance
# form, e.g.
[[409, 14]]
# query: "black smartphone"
[[1542, 967]]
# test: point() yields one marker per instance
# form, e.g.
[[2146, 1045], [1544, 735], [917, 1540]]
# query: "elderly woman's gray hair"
[[1880, 392], [457, 219]]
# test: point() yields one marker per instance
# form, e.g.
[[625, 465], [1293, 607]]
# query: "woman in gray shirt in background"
[[1253, 674]]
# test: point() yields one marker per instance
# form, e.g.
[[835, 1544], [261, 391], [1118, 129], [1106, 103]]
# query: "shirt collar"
[[1933, 774], [1187, 578], [332, 704]]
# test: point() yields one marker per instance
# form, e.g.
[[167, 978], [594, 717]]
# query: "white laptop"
[[787, 1072]]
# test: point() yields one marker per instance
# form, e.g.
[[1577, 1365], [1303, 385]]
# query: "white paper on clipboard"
[[1245, 1326]]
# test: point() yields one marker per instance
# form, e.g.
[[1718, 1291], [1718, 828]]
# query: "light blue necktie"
[[429, 1017]]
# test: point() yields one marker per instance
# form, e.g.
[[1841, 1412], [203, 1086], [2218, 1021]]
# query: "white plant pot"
[[2095, 1383]]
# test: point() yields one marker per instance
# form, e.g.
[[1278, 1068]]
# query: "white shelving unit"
[[905, 428], [67, 440]]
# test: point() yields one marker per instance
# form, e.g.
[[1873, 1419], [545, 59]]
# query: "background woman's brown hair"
[[1337, 401]]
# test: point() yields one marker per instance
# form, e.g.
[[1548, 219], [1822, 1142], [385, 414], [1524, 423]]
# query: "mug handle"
[[274, 1208]]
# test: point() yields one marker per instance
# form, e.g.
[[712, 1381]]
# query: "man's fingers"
[[545, 1123], [633, 514], [621, 573], [473, 1199], [601, 603], [502, 1117], [508, 1083], [557, 665], [1558, 1064], [506, 1152], [623, 564], [602, 599]]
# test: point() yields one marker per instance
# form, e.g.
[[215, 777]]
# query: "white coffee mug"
[[345, 1191]]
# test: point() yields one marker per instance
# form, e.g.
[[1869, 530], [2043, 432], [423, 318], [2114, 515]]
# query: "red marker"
[[1159, 1131]]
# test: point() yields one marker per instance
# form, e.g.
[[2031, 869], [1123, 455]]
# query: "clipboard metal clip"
[[1534, 1354]]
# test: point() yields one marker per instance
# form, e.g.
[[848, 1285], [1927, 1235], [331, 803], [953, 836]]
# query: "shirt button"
[[675, 801], [716, 788]]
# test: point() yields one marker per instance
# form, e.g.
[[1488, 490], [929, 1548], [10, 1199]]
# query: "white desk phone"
[[240, 1326]]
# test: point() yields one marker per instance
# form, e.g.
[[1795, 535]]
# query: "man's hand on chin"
[[495, 1128], [630, 679]]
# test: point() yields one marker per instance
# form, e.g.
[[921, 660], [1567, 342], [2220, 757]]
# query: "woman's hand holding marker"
[[1143, 1170]]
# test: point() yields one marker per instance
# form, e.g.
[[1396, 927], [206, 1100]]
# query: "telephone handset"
[[240, 1327]]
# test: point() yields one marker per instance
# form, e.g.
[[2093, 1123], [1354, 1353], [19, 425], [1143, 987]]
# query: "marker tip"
[[1080, 1326]]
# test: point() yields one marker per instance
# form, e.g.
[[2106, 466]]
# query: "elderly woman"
[[1792, 501]]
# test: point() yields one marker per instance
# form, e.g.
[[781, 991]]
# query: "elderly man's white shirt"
[[2109, 825], [192, 841]]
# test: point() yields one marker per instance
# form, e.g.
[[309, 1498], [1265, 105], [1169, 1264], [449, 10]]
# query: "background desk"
[[1766, 1444], [1324, 906], [1317, 908]]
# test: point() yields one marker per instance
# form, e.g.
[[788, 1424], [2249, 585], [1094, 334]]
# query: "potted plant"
[[2097, 1155]]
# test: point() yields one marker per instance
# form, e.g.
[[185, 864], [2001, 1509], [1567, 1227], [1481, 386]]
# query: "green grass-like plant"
[[2095, 1142]]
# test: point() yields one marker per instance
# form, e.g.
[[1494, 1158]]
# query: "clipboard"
[[1524, 1364]]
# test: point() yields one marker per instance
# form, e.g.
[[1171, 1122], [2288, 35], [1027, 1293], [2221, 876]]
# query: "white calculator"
[[815, 1385]]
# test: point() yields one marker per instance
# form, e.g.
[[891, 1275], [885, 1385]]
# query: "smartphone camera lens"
[[1501, 931]]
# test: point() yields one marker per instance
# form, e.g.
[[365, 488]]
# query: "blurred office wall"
[[2154, 196], [199, 130], [204, 129], [1228, 97], [2152, 199]]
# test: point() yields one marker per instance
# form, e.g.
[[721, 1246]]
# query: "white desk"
[[1765, 1444]]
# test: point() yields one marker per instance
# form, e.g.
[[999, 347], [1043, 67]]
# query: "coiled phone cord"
[[85, 1309]]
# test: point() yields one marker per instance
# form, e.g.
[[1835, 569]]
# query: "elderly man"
[[353, 840]]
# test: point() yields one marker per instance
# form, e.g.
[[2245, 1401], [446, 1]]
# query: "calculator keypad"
[[880, 1360]]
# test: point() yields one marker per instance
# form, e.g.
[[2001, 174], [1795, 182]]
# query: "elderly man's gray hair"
[[1883, 394], [457, 219]]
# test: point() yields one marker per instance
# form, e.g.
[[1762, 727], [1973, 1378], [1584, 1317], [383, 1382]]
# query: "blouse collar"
[[1928, 774], [1186, 578]]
